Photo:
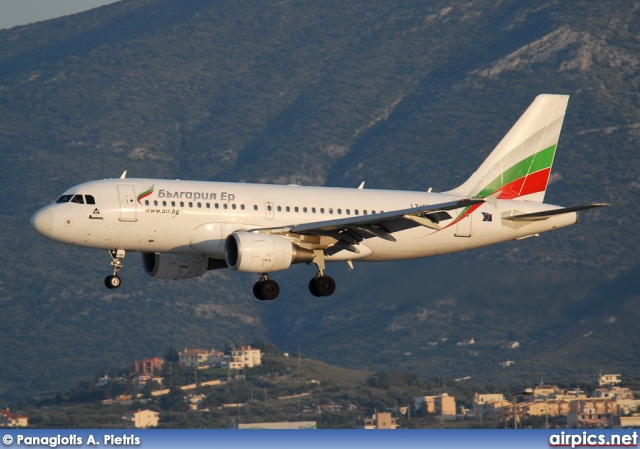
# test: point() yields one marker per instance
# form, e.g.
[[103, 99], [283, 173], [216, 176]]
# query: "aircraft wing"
[[537, 216], [349, 231]]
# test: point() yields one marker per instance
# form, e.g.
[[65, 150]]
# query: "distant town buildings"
[[142, 419], [150, 366], [604, 409], [9, 419], [380, 420], [240, 358], [443, 404], [200, 357], [605, 379]]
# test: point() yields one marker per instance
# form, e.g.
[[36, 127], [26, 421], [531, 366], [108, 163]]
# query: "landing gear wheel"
[[112, 281], [266, 290], [313, 287], [256, 291], [322, 286], [269, 289]]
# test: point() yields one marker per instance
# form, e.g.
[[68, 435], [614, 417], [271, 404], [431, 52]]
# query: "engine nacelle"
[[262, 253], [178, 266]]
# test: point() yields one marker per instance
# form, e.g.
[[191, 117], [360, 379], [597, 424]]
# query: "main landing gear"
[[114, 281], [266, 289], [321, 285]]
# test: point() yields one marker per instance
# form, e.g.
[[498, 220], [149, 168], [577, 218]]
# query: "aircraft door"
[[127, 203], [268, 210], [463, 228]]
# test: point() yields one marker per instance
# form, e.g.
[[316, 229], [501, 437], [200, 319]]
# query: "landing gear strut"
[[266, 289], [114, 281], [321, 285]]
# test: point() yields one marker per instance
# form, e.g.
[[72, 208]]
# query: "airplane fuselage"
[[195, 217]]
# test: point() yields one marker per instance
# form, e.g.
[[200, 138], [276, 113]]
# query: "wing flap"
[[389, 221]]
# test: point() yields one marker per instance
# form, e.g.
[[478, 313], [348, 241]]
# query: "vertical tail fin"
[[519, 167]]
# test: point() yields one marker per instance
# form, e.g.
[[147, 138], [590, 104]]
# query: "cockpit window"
[[77, 199], [64, 199]]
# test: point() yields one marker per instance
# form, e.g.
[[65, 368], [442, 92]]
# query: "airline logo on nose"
[[145, 194]]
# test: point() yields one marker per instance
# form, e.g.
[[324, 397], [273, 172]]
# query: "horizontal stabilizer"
[[537, 216]]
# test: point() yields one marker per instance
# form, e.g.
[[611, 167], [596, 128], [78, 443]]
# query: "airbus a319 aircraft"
[[184, 228]]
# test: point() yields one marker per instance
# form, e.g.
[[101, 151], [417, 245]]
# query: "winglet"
[[361, 186], [124, 175]]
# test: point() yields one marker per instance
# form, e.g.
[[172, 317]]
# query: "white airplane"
[[184, 228]]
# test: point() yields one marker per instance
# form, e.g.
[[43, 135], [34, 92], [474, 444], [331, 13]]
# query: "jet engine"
[[262, 253], [178, 266]]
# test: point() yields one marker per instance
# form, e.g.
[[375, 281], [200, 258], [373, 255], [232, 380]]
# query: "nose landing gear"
[[114, 281]]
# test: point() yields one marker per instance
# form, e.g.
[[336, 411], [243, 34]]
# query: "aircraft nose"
[[42, 222]]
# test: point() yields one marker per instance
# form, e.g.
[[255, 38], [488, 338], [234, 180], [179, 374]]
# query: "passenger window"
[[208, 205], [64, 199], [164, 204], [181, 203], [199, 205], [356, 212], [348, 212], [233, 206], [304, 209], [90, 199], [295, 209], [77, 199], [242, 206], [339, 211], [190, 204], [279, 209], [330, 210], [173, 204], [255, 207], [313, 209], [268, 207], [225, 205], [288, 209], [146, 202], [322, 210], [155, 203], [217, 206], [364, 212]]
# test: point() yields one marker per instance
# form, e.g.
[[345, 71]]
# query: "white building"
[[199, 357], [605, 379], [143, 419], [242, 357]]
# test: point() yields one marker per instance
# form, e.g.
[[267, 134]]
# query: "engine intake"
[[262, 253]]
